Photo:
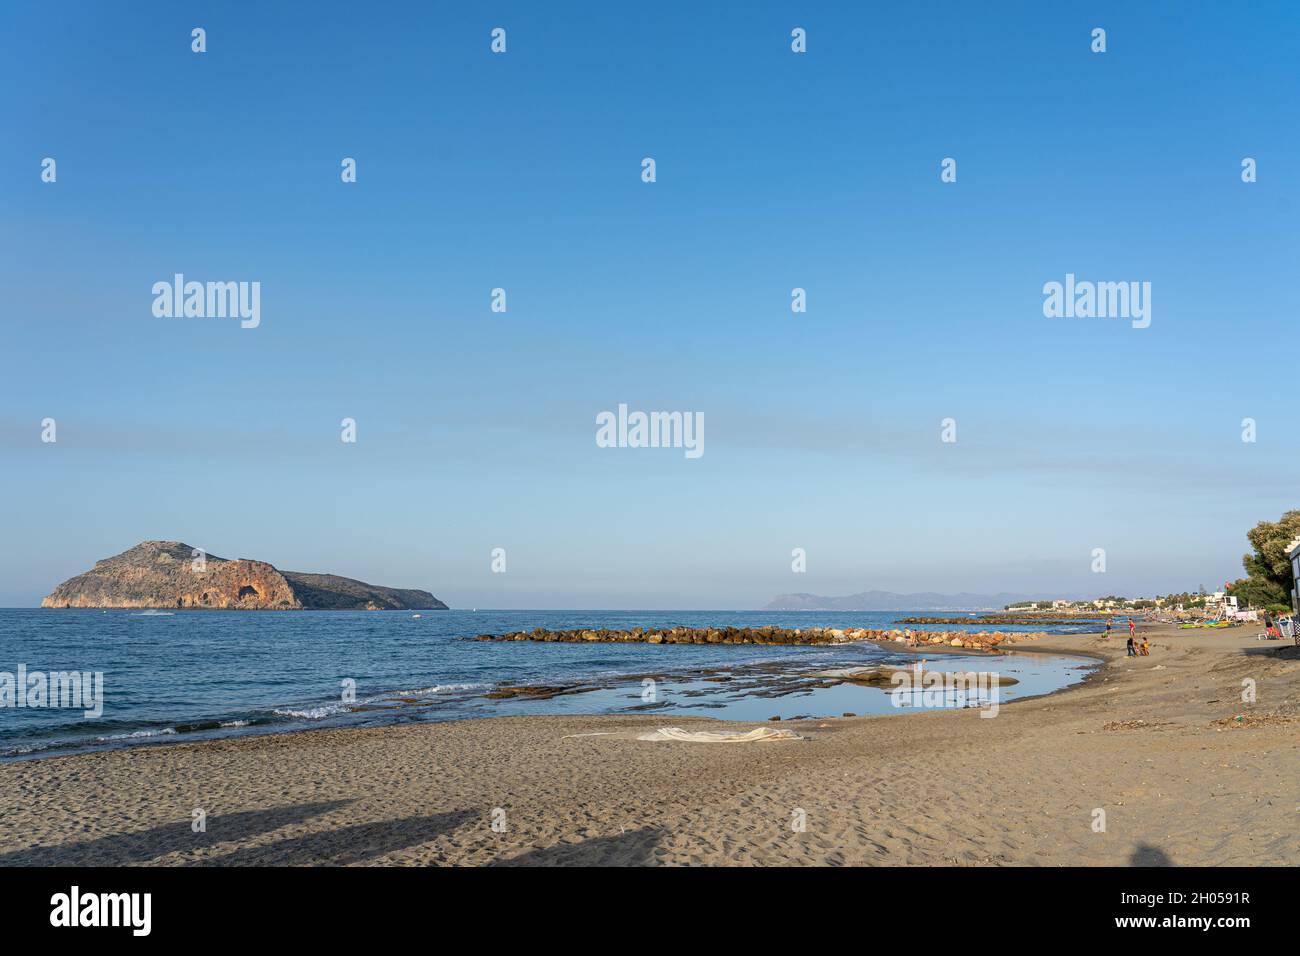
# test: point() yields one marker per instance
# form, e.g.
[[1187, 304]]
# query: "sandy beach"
[[1154, 742]]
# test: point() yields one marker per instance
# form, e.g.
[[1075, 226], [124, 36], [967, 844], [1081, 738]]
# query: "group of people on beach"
[[1135, 648]]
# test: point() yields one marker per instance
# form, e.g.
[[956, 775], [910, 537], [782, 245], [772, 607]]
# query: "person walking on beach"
[[1132, 628], [1107, 634], [1132, 651]]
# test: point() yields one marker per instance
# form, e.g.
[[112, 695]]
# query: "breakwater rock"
[[978, 641], [1029, 620]]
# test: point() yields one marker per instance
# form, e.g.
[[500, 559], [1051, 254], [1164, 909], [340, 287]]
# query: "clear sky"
[[775, 170]]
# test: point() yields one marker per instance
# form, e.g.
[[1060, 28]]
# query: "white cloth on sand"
[[710, 737]]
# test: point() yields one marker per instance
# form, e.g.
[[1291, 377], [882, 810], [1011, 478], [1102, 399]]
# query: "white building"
[[1293, 555]]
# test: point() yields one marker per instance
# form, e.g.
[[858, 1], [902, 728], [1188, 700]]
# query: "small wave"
[[155, 614], [330, 710], [312, 713], [166, 731], [25, 749], [441, 689]]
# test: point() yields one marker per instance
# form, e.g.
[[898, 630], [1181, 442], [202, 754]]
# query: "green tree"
[[1268, 571], [1258, 592]]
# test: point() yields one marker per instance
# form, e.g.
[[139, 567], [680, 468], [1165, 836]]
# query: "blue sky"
[[774, 170]]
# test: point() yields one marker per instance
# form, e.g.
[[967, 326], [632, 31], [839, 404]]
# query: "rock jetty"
[[1030, 620], [980, 641]]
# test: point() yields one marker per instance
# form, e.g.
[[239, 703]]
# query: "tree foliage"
[[1268, 570]]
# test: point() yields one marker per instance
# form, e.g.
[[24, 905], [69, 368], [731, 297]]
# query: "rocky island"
[[170, 574]]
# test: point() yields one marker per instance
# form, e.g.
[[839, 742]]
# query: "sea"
[[169, 677]]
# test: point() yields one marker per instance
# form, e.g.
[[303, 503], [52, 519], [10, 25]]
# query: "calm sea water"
[[201, 674]]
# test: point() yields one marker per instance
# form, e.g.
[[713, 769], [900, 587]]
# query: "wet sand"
[[1153, 742]]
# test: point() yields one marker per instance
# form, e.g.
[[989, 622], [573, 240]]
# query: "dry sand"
[[1139, 740]]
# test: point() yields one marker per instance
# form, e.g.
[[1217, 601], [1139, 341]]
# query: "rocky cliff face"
[[164, 574]]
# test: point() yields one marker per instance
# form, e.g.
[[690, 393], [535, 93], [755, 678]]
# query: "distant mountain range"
[[892, 601]]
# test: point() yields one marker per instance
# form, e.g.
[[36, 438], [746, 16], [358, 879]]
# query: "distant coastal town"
[[1220, 603], [1267, 591]]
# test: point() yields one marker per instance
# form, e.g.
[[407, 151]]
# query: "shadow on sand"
[[144, 845], [634, 848], [1287, 651], [1146, 855], [342, 846]]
